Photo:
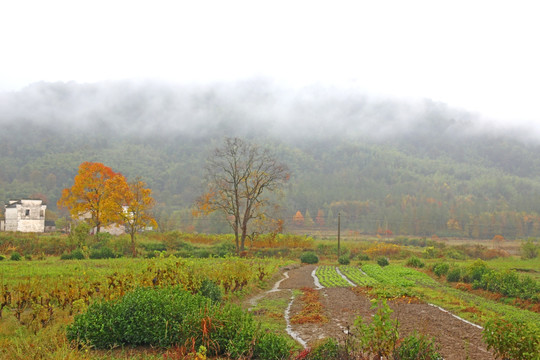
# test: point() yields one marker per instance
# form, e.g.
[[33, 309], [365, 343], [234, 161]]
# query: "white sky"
[[480, 55]]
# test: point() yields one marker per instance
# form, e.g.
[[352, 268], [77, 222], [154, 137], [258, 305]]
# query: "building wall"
[[25, 216], [11, 216]]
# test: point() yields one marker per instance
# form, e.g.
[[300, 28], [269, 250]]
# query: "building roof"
[[14, 203]]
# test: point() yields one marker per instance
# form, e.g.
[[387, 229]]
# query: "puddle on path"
[[318, 285]]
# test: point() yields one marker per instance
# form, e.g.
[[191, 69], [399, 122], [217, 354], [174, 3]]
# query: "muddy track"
[[457, 339]]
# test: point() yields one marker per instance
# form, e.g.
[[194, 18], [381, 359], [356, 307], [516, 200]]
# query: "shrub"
[[327, 350], [430, 252], [15, 256], [362, 257], [271, 346], [454, 275], [344, 260], [27, 257], [381, 335], [490, 254], [2, 257], [210, 290], [441, 269], [272, 252], [326, 249], [512, 339], [202, 253], [66, 256], [418, 242], [172, 316], [104, 238], [384, 249], [509, 283], [529, 250], [225, 248], [383, 261], [103, 253], [157, 246], [415, 347], [309, 258], [475, 271], [79, 233], [415, 262], [178, 254], [455, 254], [77, 254]]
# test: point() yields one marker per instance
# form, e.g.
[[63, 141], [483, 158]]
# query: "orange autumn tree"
[[97, 192], [137, 212]]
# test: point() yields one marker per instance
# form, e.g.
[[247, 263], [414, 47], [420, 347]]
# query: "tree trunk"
[[243, 239], [236, 241], [133, 248]]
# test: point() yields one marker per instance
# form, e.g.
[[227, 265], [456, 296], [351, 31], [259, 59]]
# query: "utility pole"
[[338, 233]]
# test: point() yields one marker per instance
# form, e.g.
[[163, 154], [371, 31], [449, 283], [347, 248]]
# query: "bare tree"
[[241, 176]]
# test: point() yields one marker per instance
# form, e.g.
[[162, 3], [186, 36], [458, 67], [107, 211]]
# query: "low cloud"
[[249, 108]]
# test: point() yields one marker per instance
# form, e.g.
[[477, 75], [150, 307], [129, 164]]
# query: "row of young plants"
[[357, 276], [397, 275], [328, 277], [372, 274]]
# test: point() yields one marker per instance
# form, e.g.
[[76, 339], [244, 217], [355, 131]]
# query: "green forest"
[[387, 167]]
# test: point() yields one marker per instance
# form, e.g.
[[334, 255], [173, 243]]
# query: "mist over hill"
[[246, 108], [374, 159]]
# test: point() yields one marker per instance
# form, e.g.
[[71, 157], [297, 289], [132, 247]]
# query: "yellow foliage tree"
[[137, 212], [96, 192]]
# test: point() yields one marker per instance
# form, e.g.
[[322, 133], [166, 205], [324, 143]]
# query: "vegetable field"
[[44, 301]]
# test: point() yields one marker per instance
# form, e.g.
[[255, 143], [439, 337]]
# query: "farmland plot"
[[341, 305], [410, 294]]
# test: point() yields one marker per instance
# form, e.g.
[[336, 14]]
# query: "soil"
[[457, 339]]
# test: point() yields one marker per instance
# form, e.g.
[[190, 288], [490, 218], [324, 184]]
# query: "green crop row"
[[328, 277], [357, 276], [396, 275]]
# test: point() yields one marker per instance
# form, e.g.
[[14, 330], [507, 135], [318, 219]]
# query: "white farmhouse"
[[25, 216]]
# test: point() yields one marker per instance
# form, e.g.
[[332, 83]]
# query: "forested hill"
[[408, 166]]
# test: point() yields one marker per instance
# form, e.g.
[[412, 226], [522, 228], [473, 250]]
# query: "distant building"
[[113, 229], [50, 226], [25, 216]]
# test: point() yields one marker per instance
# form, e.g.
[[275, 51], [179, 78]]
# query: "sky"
[[483, 56]]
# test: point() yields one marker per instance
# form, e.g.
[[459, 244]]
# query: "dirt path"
[[457, 339]]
